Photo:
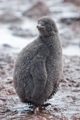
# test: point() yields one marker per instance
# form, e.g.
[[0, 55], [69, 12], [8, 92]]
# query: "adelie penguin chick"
[[38, 67]]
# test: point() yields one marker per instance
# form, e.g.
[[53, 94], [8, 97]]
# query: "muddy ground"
[[17, 30], [65, 105]]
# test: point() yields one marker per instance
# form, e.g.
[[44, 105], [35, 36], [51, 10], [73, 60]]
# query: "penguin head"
[[46, 26]]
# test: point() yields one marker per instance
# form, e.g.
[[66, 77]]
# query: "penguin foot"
[[36, 110], [45, 105]]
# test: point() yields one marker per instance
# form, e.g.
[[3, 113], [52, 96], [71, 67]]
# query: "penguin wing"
[[39, 76], [39, 72]]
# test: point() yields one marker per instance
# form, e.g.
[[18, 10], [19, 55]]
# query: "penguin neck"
[[49, 40]]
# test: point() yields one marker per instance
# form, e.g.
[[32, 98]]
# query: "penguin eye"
[[48, 25]]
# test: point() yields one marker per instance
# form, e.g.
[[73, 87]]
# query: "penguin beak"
[[39, 26]]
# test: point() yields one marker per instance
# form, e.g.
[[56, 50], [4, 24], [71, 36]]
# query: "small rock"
[[70, 20], [69, 0], [9, 17], [18, 31], [77, 2], [11, 65], [37, 118], [2, 99], [23, 33], [9, 80], [15, 28], [37, 10], [1, 87], [1, 103], [76, 117], [10, 91], [7, 46], [3, 72]]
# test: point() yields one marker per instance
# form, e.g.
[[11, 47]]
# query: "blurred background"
[[18, 20]]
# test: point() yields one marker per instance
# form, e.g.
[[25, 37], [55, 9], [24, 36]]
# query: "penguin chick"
[[38, 67]]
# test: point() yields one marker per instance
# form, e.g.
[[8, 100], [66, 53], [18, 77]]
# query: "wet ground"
[[16, 31], [65, 105]]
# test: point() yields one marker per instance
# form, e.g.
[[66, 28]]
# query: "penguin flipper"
[[39, 75]]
